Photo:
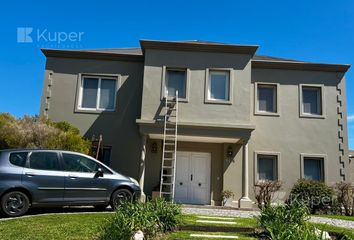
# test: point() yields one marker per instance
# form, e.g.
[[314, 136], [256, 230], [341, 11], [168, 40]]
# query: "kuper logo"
[[45, 37]]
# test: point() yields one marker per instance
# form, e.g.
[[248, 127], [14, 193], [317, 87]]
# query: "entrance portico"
[[202, 152]]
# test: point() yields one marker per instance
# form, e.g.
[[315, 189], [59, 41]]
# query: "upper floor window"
[[311, 100], [176, 80], [98, 93], [218, 85], [266, 98], [313, 168]]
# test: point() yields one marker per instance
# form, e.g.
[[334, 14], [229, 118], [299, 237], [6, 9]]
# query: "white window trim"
[[79, 94], [323, 103], [275, 97], [270, 153], [207, 86], [311, 155], [164, 81]]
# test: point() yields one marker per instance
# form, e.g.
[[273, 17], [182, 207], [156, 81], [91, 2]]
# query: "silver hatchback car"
[[38, 178]]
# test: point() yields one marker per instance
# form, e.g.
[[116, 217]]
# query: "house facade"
[[242, 117]]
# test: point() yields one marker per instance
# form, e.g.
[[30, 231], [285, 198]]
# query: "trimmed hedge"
[[316, 195]]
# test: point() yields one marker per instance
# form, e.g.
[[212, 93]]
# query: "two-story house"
[[242, 117]]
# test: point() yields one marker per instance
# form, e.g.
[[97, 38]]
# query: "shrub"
[[289, 221], [345, 197], [153, 217], [316, 195], [36, 132], [264, 192], [226, 194]]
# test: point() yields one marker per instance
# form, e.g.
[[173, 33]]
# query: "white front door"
[[193, 178]]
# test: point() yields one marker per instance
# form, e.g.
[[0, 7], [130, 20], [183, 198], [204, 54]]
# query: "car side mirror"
[[99, 173]]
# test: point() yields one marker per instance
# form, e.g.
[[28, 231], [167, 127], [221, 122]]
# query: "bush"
[[36, 132], [316, 195], [152, 218], [226, 194], [288, 221], [345, 197], [264, 192]]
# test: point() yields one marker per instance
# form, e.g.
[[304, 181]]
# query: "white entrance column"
[[245, 201], [142, 166]]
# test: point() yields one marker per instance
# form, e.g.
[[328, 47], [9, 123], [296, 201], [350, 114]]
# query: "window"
[[267, 98], [18, 158], [104, 155], [313, 168], [219, 85], [176, 80], [267, 167], [98, 93], [44, 161], [78, 163], [311, 100]]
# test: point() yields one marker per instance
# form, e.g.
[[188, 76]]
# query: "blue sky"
[[319, 31]]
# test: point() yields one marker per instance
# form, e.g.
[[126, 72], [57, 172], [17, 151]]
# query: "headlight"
[[134, 181]]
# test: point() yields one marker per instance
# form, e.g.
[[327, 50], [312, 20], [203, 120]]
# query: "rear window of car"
[[44, 161], [18, 158]]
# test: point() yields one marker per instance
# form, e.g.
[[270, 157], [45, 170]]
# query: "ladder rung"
[[166, 193], [170, 144], [170, 129], [170, 136], [169, 151], [167, 175], [167, 184], [168, 167]]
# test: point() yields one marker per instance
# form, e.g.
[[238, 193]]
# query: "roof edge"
[[266, 64], [91, 55], [198, 46]]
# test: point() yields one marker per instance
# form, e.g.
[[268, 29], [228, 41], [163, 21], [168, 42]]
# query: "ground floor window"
[[104, 154], [313, 168], [267, 167]]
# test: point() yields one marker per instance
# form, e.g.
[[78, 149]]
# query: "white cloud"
[[350, 118]]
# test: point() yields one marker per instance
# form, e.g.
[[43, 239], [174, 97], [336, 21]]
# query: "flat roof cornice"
[[198, 47], [300, 66], [91, 55]]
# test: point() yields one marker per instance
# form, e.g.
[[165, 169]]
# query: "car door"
[[43, 176], [81, 183]]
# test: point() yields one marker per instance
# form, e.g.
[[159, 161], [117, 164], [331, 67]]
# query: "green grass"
[[337, 230], [60, 226], [86, 226], [186, 235], [241, 222], [346, 218]]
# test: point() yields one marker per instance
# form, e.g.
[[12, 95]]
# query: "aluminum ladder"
[[169, 148]]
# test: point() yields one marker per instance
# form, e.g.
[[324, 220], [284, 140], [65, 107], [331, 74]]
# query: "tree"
[[37, 132]]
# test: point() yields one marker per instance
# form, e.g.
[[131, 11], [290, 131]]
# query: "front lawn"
[[87, 225], [59, 226]]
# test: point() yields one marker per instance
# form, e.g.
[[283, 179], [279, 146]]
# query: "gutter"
[[265, 64]]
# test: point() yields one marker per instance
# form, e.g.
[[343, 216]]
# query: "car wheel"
[[119, 196], [14, 204]]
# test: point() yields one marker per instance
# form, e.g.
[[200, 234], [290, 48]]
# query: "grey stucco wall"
[[118, 128], [140, 92], [196, 110], [292, 135]]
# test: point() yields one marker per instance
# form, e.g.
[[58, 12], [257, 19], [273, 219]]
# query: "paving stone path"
[[248, 214]]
